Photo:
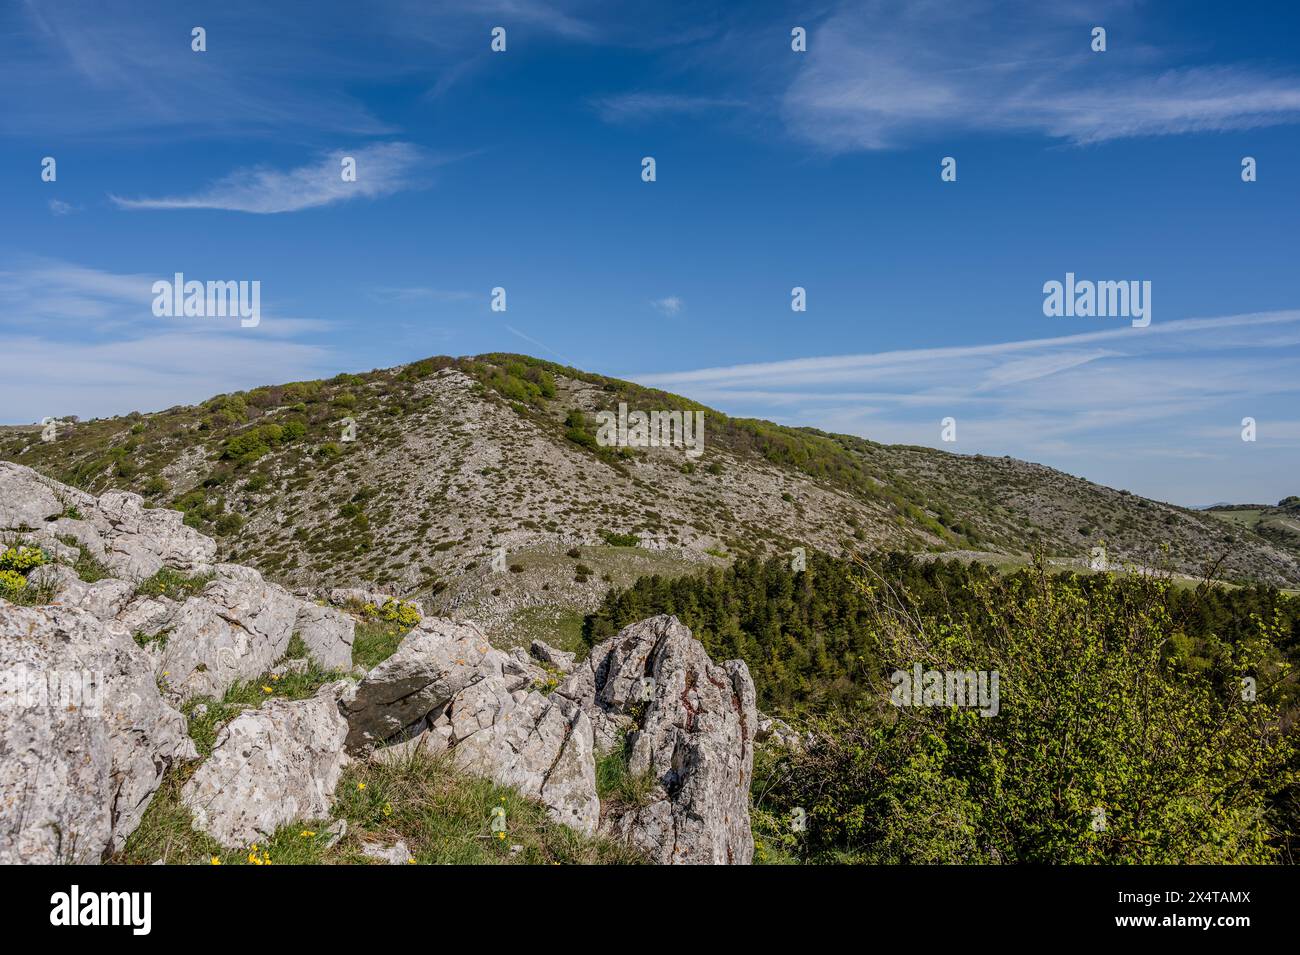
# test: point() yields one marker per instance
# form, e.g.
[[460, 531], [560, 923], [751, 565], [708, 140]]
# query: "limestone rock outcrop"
[[692, 731], [269, 766], [91, 684], [85, 737]]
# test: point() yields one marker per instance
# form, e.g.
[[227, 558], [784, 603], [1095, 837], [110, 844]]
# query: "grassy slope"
[[458, 456]]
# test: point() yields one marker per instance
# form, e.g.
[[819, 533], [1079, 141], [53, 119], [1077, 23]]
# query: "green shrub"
[[11, 584], [400, 612], [16, 563], [1096, 721], [228, 524], [21, 559], [173, 584]]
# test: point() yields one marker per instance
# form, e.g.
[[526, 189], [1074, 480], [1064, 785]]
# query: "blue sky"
[[775, 169]]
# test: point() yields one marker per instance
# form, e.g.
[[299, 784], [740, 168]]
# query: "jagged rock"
[[445, 691], [446, 688], [327, 633], [140, 541], [541, 746], [134, 541], [85, 737], [342, 596], [236, 629], [83, 532], [585, 686], [561, 660], [777, 732], [396, 854], [148, 615], [26, 499], [694, 738], [521, 671], [57, 576], [335, 833], [432, 741], [269, 766], [106, 599], [435, 661]]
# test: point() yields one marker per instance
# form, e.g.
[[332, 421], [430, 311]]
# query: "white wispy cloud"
[[97, 67], [381, 170], [84, 341], [835, 369], [552, 17], [628, 107], [409, 295], [1099, 402], [670, 305], [885, 74], [533, 341]]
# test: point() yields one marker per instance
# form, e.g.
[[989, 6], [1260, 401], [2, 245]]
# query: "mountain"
[[454, 459]]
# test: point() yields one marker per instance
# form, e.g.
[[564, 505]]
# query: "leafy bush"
[[401, 612], [16, 563], [228, 524], [1097, 721], [11, 584], [252, 444], [22, 560]]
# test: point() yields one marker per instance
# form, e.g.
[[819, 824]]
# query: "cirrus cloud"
[[381, 170]]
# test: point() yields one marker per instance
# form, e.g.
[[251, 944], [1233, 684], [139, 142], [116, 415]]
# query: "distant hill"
[[1278, 524], [454, 458]]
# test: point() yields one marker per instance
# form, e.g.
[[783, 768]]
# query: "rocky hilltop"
[[119, 617], [414, 479]]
